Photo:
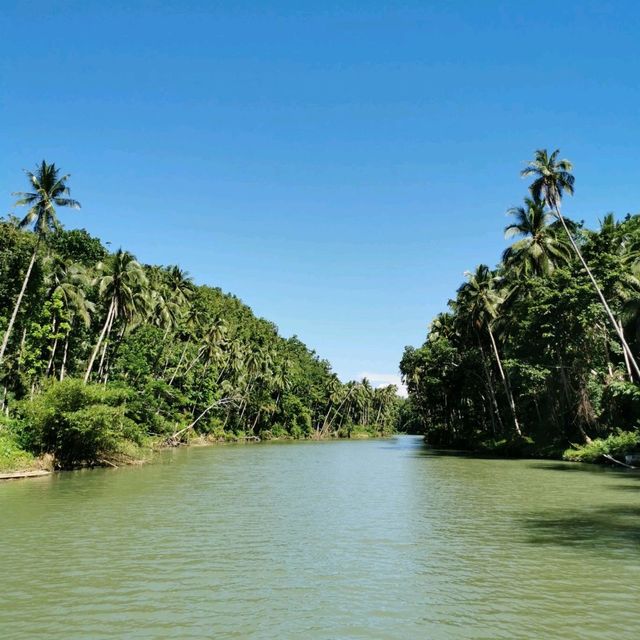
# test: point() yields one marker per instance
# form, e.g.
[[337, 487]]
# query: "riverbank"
[[621, 449], [18, 463]]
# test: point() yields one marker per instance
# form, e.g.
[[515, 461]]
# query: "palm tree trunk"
[[105, 347], [245, 401], [64, 356], [255, 422], [326, 417], [16, 308], [193, 362], [100, 339], [111, 358], [626, 358], [51, 358], [222, 372], [618, 329], [53, 348], [175, 371], [337, 412], [505, 382], [492, 391], [217, 403]]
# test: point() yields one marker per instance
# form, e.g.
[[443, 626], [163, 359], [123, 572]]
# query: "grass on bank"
[[615, 446], [12, 456]]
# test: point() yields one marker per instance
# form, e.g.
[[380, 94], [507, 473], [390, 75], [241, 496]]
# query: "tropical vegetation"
[[101, 353], [539, 353]]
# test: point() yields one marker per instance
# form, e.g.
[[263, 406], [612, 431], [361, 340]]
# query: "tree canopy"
[[538, 352], [172, 357]]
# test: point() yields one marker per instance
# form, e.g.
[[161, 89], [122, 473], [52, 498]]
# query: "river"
[[322, 540]]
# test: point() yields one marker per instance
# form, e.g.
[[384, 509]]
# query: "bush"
[[277, 432], [79, 424], [12, 456], [615, 446], [296, 416]]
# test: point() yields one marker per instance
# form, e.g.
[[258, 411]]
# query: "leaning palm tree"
[[122, 285], [50, 190], [540, 250], [479, 299], [552, 178]]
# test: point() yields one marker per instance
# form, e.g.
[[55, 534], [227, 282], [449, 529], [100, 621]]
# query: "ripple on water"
[[366, 539]]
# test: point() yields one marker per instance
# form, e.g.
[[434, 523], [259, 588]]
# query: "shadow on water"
[[425, 451], [611, 527], [627, 487], [577, 467]]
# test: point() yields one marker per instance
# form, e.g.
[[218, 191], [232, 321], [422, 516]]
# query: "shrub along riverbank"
[[103, 357], [540, 353]]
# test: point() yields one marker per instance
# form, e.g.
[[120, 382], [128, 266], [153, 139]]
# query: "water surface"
[[348, 539]]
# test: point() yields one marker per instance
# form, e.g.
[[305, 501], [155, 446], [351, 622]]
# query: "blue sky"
[[338, 166]]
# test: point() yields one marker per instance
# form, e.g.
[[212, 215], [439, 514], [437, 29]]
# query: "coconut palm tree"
[[442, 326], [552, 178], [50, 190], [180, 284], [479, 299], [165, 307], [67, 283], [122, 285], [540, 249]]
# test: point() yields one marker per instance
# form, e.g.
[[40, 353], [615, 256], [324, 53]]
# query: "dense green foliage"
[[79, 423], [159, 355], [614, 445], [527, 358], [12, 456]]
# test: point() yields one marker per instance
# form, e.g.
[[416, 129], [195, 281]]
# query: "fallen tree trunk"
[[175, 438], [606, 456]]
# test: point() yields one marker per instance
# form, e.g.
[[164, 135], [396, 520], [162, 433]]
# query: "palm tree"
[[552, 178], [212, 344], [49, 190], [442, 326], [180, 284], [343, 395], [540, 250], [479, 299], [333, 389], [68, 283], [122, 285], [165, 308]]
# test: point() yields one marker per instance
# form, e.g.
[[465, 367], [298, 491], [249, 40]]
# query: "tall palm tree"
[[122, 285], [479, 299], [50, 190], [552, 178], [540, 249]]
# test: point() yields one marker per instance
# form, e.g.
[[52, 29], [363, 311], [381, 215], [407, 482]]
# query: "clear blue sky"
[[337, 165]]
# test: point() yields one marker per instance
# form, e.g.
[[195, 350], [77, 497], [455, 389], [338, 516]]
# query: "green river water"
[[322, 540]]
